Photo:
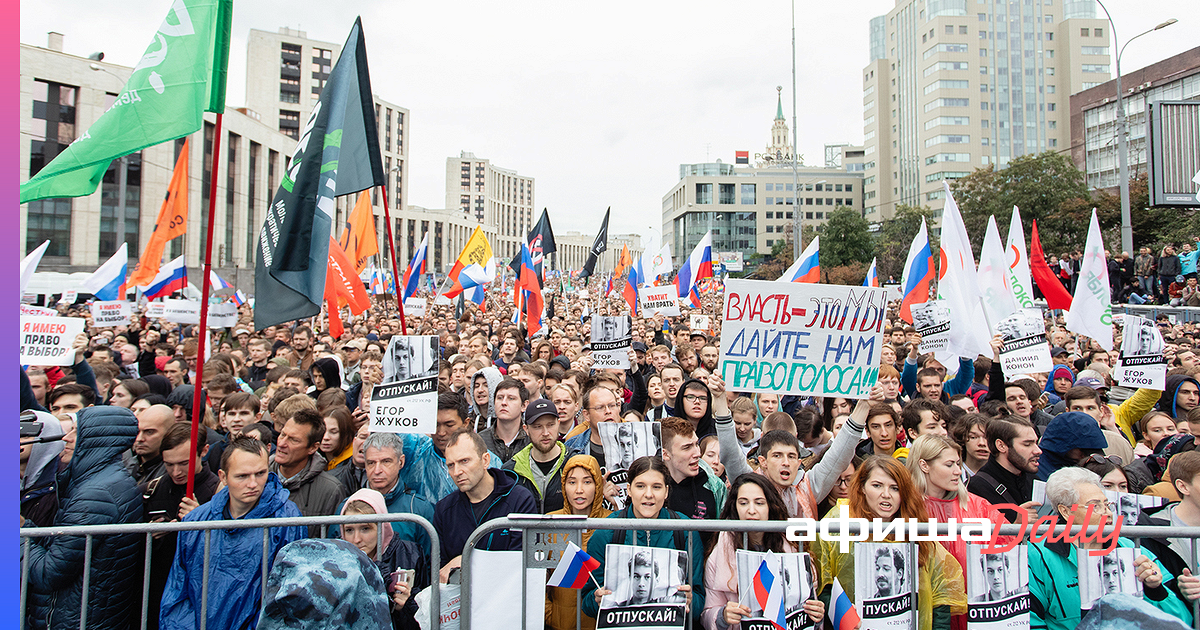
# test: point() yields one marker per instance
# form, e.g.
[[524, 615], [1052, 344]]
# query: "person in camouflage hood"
[[324, 584]]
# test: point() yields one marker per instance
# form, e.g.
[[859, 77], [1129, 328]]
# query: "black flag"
[[541, 244], [598, 247]]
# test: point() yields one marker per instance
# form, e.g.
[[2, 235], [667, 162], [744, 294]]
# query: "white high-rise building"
[[954, 85]]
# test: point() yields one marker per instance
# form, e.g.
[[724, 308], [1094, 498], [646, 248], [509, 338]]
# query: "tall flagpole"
[[206, 285], [387, 223]]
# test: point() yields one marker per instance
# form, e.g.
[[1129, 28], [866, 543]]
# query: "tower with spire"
[[780, 147]]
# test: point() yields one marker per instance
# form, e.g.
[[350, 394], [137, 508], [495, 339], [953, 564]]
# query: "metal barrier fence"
[[265, 524], [529, 523]]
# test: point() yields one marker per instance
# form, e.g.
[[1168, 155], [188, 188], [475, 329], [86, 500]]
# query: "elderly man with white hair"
[[1053, 566]]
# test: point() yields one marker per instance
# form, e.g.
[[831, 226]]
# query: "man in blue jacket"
[[483, 494], [234, 563]]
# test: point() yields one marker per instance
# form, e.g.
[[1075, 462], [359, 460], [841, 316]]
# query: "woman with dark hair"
[[542, 350], [832, 407], [338, 443], [325, 374], [751, 498], [970, 432], [1112, 475], [125, 392], [694, 404], [883, 488], [648, 487]]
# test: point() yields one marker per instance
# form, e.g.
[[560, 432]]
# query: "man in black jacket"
[[165, 499], [1008, 475], [483, 494]]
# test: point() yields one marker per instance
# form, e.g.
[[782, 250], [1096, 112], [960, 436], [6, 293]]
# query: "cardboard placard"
[[155, 310], [47, 340], [415, 307], [38, 311], [1142, 361], [700, 322], [612, 339], [801, 339], [108, 314], [222, 315], [932, 321], [997, 588], [1025, 349], [406, 401], [181, 311], [663, 300]]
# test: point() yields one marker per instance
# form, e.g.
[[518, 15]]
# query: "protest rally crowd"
[[285, 433]]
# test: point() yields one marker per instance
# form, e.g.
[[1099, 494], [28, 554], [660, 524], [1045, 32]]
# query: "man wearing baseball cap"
[[351, 352], [539, 465]]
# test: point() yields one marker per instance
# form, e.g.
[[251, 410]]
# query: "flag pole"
[[387, 219], [205, 286]]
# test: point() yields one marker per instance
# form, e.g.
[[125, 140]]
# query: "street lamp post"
[[795, 149], [1122, 142], [122, 179]]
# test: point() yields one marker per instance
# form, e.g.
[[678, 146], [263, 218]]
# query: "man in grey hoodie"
[[39, 467], [483, 411]]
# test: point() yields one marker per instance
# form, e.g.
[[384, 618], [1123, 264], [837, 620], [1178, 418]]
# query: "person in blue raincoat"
[[235, 558]]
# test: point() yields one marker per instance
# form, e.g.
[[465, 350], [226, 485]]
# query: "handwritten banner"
[[47, 340], [663, 300], [108, 314], [801, 339]]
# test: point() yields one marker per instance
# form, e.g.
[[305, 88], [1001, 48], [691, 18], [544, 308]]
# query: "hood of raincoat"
[[43, 456], [374, 499], [324, 584], [1170, 395], [493, 377], [593, 467]]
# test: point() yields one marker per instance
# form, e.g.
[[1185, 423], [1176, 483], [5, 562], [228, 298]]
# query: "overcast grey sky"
[[600, 102]]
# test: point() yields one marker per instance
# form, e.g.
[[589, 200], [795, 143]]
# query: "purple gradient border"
[[10, 124]]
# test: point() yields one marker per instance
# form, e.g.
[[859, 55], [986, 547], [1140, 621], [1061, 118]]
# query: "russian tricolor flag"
[[573, 569], [630, 291], [412, 276], [768, 592], [171, 277], [872, 279], [697, 266], [107, 283], [376, 281], [841, 613], [807, 268], [918, 273]]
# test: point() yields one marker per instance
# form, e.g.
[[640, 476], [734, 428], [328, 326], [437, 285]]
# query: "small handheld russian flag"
[[872, 276], [841, 613], [573, 569], [768, 592]]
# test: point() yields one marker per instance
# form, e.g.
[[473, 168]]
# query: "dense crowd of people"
[[284, 432]]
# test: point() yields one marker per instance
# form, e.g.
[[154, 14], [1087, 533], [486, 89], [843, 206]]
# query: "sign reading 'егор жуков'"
[[801, 339]]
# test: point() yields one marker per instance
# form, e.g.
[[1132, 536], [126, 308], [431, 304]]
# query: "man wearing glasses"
[[600, 404]]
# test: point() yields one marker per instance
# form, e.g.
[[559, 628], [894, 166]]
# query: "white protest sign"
[[1142, 360], [107, 314], [583, 293], [415, 307], [442, 300], [38, 311], [932, 321], [155, 310], [611, 341], [406, 402], [47, 340], [663, 300], [70, 296], [801, 339], [1025, 349], [884, 591], [181, 311], [222, 315], [997, 588], [700, 322]]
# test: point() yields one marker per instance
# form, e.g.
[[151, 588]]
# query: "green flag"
[[181, 75]]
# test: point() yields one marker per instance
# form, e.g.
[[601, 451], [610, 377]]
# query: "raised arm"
[[731, 451], [841, 451]]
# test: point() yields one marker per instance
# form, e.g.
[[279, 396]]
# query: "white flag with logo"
[[1018, 262], [1091, 307], [998, 300], [958, 286]]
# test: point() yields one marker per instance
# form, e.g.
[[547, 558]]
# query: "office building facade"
[[498, 198], [955, 85]]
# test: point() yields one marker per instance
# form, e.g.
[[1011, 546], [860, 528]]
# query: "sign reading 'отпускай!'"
[[801, 339]]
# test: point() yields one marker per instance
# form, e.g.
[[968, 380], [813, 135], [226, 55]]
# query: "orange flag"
[[342, 286], [358, 237], [172, 222], [624, 261]]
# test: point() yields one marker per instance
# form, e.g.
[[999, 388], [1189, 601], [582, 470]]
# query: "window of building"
[[1098, 32], [1083, 32], [949, 29], [53, 130], [770, 186], [749, 197], [820, 201], [962, 29], [726, 194], [703, 194], [770, 215], [289, 123], [770, 243], [1095, 67], [770, 201]]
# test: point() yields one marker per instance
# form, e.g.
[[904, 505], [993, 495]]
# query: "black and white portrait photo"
[[1113, 572], [624, 442], [409, 357], [884, 579], [1140, 338], [642, 575], [929, 315], [1022, 325], [612, 340], [795, 569], [995, 577], [1127, 506]]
